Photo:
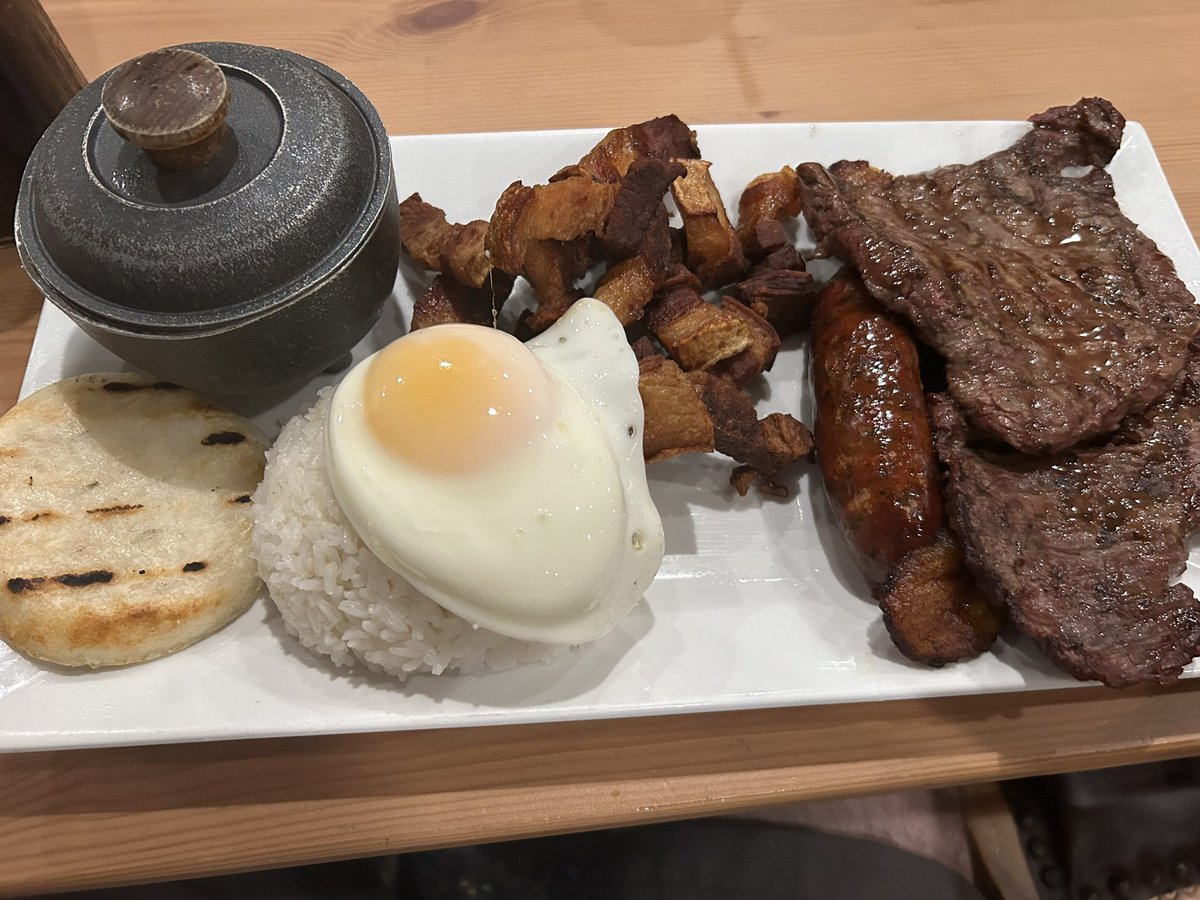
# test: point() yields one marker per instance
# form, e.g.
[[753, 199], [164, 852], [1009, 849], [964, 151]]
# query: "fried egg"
[[504, 480]]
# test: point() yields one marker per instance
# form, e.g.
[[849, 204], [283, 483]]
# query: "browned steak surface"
[[1082, 546], [1056, 315]]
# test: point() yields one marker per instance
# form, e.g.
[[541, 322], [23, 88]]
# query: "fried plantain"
[[932, 608]]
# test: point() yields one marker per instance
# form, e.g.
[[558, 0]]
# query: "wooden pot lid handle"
[[172, 103]]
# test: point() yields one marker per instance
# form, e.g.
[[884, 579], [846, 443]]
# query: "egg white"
[[555, 545]]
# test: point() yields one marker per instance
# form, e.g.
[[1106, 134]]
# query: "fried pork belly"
[[543, 233], [932, 608], [636, 206], [766, 200], [642, 346], [664, 138], [696, 334], [757, 358], [679, 250], [678, 275], [560, 211], [770, 238], [677, 421], [439, 246], [764, 445], [629, 284], [782, 287], [447, 301], [714, 252]]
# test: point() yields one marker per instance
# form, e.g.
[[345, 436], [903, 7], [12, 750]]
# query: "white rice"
[[335, 595]]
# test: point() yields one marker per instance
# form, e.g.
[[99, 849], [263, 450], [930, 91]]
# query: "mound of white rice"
[[335, 595]]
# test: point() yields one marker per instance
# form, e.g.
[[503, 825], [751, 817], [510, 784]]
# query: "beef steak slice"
[[1082, 546], [1056, 315]]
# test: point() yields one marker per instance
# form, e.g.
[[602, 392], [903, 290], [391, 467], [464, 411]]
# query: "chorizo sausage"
[[872, 432]]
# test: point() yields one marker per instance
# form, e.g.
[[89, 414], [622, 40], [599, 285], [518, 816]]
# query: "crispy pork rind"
[[933, 609], [629, 284], [714, 252], [447, 301], [664, 138], [543, 233], [637, 205], [609, 208], [729, 339], [697, 334], [759, 356], [439, 246], [781, 286], [764, 445], [642, 346], [677, 421], [766, 200]]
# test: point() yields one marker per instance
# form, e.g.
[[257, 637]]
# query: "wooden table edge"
[[90, 818]]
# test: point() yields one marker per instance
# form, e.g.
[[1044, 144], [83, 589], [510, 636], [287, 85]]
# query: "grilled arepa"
[[124, 520]]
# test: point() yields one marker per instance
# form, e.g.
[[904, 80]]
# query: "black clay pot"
[[230, 227]]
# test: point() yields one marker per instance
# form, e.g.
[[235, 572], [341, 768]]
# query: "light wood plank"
[[20, 305], [997, 843]]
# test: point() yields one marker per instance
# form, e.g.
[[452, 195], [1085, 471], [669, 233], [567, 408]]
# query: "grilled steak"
[[1057, 317], [1082, 546]]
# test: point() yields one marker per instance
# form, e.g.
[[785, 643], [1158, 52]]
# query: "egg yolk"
[[456, 399]]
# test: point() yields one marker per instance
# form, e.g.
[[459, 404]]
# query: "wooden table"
[[74, 819]]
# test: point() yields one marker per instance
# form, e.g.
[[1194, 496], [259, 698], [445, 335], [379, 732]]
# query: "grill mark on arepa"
[[68, 579], [20, 585], [83, 579], [124, 387], [46, 514], [241, 498], [223, 437], [31, 517], [115, 510], [97, 576]]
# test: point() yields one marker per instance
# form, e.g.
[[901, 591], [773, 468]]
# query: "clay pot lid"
[[197, 185]]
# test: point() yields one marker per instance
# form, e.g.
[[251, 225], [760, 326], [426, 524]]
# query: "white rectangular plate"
[[757, 603]]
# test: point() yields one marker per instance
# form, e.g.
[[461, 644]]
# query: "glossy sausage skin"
[[872, 431]]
